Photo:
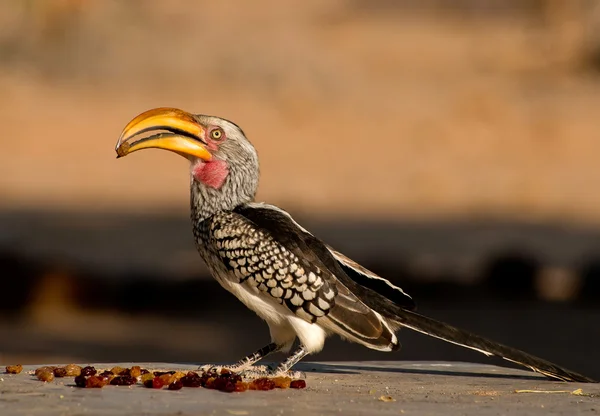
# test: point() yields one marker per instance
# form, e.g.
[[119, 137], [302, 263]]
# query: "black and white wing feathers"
[[368, 279], [394, 304], [266, 250], [256, 241]]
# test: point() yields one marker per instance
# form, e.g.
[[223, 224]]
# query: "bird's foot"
[[294, 375], [252, 374], [239, 369]]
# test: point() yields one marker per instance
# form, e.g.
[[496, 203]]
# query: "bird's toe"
[[210, 368]]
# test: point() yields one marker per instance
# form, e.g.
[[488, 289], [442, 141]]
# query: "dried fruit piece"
[[167, 379], [162, 373], [298, 384], [179, 374], [116, 370], [123, 380], [176, 385], [225, 380], [135, 371], [80, 381], [146, 377], [191, 380], [88, 371], [73, 370], [241, 386], [208, 383], [262, 384], [157, 383], [222, 384], [45, 375], [45, 368], [96, 382], [14, 369], [154, 383], [282, 382]]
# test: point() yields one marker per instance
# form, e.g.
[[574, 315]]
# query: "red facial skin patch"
[[212, 173]]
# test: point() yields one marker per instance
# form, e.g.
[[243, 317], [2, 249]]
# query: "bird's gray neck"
[[239, 188]]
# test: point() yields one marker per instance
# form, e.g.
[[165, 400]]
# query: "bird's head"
[[224, 164]]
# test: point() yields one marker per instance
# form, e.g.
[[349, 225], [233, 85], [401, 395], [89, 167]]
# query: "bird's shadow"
[[356, 369], [342, 368]]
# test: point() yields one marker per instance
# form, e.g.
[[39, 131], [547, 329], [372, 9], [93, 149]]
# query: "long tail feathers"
[[467, 339]]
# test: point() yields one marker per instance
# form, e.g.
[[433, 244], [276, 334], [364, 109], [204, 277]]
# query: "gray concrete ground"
[[348, 388]]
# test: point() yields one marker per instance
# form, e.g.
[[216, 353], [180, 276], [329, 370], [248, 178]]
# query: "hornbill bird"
[[299, 285]]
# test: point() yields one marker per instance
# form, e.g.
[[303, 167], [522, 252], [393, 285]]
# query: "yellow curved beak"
[[184, 134]]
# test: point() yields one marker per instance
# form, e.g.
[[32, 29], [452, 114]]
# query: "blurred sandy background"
[[405, 111], [387, 112]]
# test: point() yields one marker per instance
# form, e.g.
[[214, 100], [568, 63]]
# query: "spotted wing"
[[265, 249], [256, 258]]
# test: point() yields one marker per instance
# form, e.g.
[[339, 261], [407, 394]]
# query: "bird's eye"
[[217, 134]]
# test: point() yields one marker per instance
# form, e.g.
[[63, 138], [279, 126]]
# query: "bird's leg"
[[248, 361], [292, 360], [256, 356], [282, 369]]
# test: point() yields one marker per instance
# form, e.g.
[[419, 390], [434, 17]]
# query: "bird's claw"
[[253, 372], [239, 369], [271, 372], [294, 375]]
